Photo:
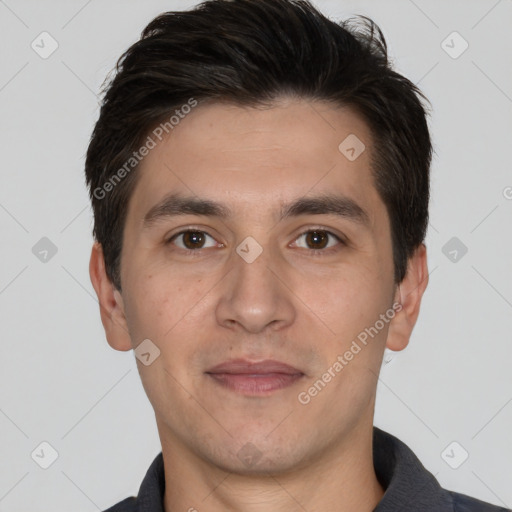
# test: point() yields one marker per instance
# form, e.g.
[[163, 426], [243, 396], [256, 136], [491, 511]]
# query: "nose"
[[254, 295]]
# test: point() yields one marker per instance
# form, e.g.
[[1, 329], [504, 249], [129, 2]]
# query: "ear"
[[409, 294], [111, 302]]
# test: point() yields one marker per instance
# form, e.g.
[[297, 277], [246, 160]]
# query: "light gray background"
[[61, 382]]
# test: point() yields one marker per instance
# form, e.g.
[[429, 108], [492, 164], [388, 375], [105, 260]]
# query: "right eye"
[[191, 240]]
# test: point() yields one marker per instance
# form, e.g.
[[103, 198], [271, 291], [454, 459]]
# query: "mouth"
[[254, 379]]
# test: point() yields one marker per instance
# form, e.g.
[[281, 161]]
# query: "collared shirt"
[[408, 485]]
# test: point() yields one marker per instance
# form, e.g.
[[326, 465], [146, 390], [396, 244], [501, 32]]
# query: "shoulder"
[[127, 505], [464, 503]]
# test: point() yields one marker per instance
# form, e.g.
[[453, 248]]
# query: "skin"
[[290, 304]]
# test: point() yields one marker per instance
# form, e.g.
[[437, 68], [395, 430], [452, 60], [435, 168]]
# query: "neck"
[[341, 479]]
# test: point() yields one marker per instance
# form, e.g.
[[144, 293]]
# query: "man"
[[260, 183]]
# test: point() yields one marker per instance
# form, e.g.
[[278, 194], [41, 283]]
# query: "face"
[[275, 246]]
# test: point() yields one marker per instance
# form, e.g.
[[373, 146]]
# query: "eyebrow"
[[175, 204]]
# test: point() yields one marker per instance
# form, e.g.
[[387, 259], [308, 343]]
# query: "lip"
[[243, 366], [254, 378]]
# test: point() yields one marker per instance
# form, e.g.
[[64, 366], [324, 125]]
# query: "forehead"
[[250, 156]]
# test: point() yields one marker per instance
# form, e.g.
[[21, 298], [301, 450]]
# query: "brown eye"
[[318, 239], [191, 240]]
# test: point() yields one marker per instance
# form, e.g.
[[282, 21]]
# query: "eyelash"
[[314, 252]]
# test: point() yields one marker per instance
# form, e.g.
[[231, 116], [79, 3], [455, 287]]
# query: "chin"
[[256, 455]]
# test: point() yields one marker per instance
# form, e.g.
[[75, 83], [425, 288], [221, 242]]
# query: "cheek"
[[163, 305], [153, 306], [346, 300]]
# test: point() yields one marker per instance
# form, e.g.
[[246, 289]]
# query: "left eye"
[[192, 240], [318, 239]]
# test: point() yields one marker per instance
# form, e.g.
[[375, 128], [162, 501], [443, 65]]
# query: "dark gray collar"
[[408, 485]]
